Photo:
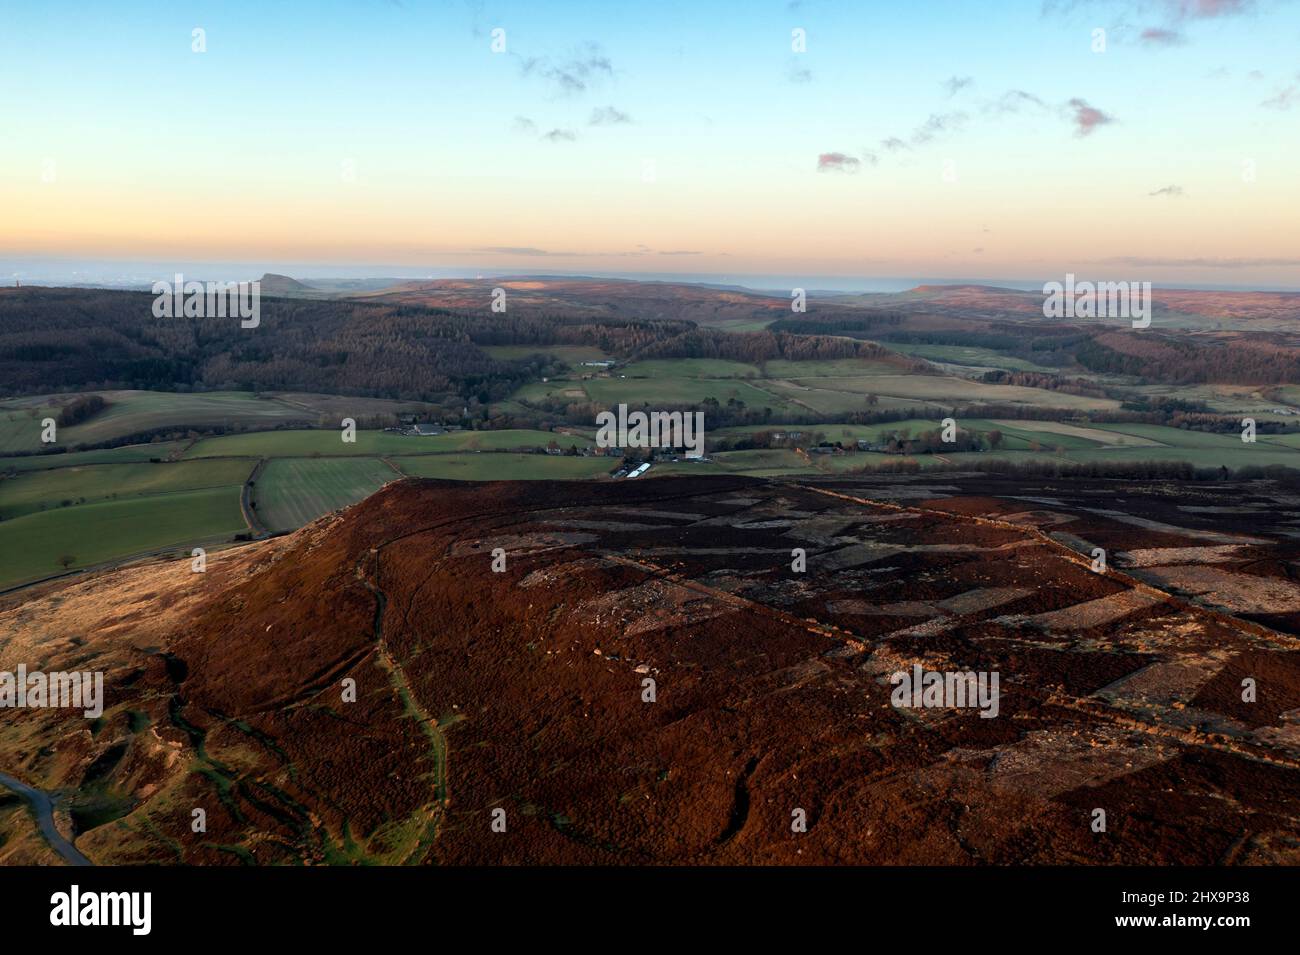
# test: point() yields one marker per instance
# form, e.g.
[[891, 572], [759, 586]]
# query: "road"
[[43, 808]]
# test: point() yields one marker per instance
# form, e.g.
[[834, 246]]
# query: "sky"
[[965, 140]]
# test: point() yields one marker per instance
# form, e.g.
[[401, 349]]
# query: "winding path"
[[43, 808]]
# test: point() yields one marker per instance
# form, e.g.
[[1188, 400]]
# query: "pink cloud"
[[1087, 118], [837, 162], [1161, 36], [1206, 9]]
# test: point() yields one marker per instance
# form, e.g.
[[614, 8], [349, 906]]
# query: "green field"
[[1079, 443], [680, 391], [505, 467], [67, 487], [574, 355], [288, 444], [833, 368], [122, 455], [966, 355], [1286, 440], [775, 459], [291, 492], [135, 412], [100, 505], [32, 546], [691, 368], [1177, 437], [945, 390], [20, 424], [831, 387]]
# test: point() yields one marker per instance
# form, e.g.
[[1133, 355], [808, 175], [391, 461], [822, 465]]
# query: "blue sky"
[[929, 138]]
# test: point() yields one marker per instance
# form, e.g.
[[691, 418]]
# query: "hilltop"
[[525, 690]]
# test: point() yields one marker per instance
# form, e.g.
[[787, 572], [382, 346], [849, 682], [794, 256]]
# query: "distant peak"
[[271, 281]]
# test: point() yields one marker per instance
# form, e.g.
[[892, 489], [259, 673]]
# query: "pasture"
[[45, 543], [291, 492], [74, 486]]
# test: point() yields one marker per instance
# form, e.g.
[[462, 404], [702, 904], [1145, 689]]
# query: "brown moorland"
[[524, 690]]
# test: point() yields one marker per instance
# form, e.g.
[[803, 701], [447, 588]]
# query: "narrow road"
[[43, 808]]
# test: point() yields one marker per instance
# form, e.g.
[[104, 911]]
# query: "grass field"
[[835, 368], [32, 546], [505, 467], [968, 356], [1098, 442], [691, 368], [289, 444], [134, 412], [1176, 437], [829, 387], [123, 455], [574, 355], [20, 425], [96, 506], [291, 492], [1084, 436], [811, 395], [678, 391], [939, 389], [74, 486], [775, 459]]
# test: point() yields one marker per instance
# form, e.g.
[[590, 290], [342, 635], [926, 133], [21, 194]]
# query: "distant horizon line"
[[133, 273]]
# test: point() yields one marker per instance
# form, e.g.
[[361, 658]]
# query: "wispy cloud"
[[1015, 101], [1158, 36], [608, 116], [1087, 118], [1208, 9], [524, 125], [838, 162], [1284, 99], [534, 252], [937, 125], [1206, 263], [514, 250], [955, 84], [575, 74]]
